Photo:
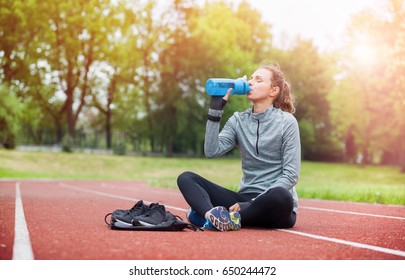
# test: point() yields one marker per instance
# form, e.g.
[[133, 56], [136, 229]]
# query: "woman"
[[268, 138]]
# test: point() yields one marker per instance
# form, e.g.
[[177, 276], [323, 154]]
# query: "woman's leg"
[[202, 195], [273, 209]]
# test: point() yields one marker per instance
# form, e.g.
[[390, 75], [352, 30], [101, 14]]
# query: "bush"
[[67, 143], [120, 149], [10, 116]]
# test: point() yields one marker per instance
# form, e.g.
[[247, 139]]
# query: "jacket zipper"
[[257, 137]]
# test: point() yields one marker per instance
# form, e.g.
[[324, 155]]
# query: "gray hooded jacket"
[[269, 144]]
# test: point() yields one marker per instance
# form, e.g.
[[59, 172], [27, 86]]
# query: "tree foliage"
[[131, 74], [370, 94], [10, 114]]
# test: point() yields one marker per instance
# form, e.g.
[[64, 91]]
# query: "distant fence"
[[87, 142]]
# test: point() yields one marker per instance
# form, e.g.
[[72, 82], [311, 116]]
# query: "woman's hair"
[[285, 99]]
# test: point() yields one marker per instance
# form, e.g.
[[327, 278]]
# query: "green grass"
[[373, 184]]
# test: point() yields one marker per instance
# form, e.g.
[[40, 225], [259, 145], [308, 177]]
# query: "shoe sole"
[[134, 223], [221, 219], [145, 223], [121, 224], [235, 220], [139, 222]]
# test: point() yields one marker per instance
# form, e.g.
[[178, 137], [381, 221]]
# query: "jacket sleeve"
[[291, 151], [218, 143]]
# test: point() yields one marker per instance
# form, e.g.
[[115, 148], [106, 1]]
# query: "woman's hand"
[[234, 208], [218, 102], [228, 93], [237, 207]]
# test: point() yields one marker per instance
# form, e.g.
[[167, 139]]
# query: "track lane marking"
[[351, 212], [115, 196], [318, 237], [22, 249], [303, 207], [154, 190], [350, 243]]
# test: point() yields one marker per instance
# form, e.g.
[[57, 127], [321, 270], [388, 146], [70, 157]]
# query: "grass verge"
[[372, 184]]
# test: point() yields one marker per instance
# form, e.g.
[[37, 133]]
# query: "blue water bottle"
[[220, 86]]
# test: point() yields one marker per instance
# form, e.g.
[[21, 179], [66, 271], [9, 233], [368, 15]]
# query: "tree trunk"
[[108, 112], [108, 130]]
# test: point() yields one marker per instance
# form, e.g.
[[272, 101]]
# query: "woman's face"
[[260, 83]]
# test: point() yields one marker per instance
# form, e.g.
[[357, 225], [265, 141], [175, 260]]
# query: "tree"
[[214, 41], [19, 26], [371, 70], [311, 78], [396, 70], [20, 29], [69, 45], [116, 74]]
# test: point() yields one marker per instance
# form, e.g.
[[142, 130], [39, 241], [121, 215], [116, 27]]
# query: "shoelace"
[[152, 208], [135, 207]]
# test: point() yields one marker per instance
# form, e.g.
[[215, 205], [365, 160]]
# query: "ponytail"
[[285, 99]]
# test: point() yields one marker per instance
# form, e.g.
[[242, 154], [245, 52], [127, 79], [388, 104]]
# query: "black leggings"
[[274, 209]]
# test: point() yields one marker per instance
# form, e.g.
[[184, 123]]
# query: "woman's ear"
[[274, 91]]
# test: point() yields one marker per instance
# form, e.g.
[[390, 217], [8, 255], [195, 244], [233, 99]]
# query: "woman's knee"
[[281, 193], [184, 178], [280, 198]]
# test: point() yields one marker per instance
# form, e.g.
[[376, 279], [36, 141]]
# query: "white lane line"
[[350, 243], [116, 196], [149, 189], [351, 213], [304, 207], [319, 237], [22, 249]]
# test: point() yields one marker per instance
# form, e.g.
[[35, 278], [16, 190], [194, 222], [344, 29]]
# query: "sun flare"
[[364, 53]]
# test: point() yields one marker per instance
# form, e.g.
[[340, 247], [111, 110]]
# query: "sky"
[[322, 21]]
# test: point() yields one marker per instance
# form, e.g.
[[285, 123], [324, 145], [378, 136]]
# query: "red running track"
[[64, 220]]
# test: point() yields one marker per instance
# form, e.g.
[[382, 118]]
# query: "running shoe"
[[221, 219], [138, 209], [194, 218], [155, 214], [129, 219]]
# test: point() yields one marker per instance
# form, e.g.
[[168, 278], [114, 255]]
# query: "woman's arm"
[[218, 143]]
